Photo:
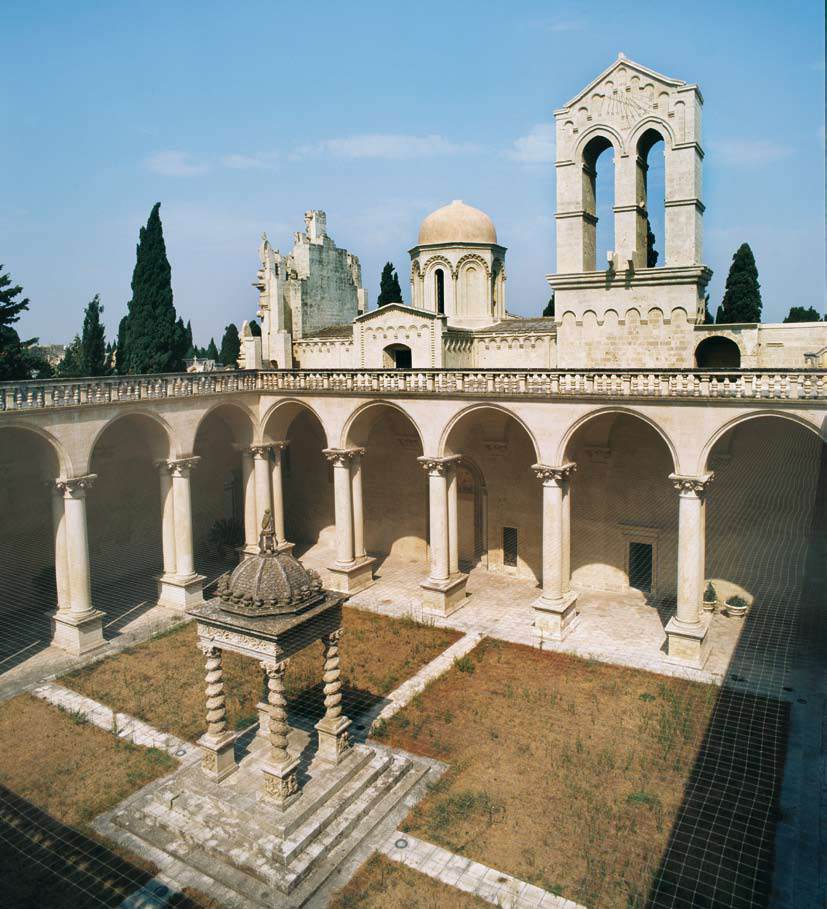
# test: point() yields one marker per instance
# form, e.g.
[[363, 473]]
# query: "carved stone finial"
[[267, 537]]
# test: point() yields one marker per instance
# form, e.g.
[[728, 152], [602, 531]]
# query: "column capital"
[[180, 467], [261, 451], [208, 648], [437, 467], [554, 476], [75, 487], [691, 487], [278, 447], [275, 667], [342, 457]]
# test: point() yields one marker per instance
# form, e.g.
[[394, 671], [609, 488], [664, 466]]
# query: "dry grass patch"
[[381, 883], [162, 681], [564, 772]]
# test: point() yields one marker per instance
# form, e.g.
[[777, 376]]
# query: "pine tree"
[[17, 359], [230, 346], [93, 342], [802, 314], [742, 296], [389, 289], [651, 252], [152, 342], [212, 350], [549, 310]]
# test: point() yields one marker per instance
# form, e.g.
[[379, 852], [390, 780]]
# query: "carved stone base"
[[554, 619], [281, 784], [219, 756], [78, 633], [687, 645], [334, 739], [352, 578], [444, 597], [180, 593]]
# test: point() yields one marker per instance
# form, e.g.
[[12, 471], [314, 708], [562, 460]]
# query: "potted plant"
[[710, 600], [225, 534], [737, 606]]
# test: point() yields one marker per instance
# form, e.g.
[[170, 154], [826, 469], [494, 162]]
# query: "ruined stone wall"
[[329, 295]]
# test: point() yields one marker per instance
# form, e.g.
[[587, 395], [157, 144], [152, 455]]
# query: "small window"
[[510, 547], [439, 277]]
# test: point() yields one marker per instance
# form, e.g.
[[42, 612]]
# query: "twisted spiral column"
[[216, 697], [332, 676], [278, 711]]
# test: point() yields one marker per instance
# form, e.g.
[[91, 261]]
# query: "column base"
[[687, 645], [334, 739], [78, 633], [554, 619], [443, 598], [352, 578], [281, 784], [180, 593], [219, 756]]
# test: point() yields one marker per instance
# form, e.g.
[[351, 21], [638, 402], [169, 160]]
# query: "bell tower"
[[625, 111]]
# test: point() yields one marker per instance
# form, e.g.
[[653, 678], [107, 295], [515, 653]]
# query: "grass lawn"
[[162, 681], [381, 883], [564, 772]]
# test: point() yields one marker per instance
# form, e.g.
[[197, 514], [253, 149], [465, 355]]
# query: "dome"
[[457, 223], [269, 583]]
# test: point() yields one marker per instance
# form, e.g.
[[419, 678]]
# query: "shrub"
[[710, 594], [737, 602]]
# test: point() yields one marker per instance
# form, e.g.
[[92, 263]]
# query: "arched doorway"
[[497, 491], [717, 352], [624, 509], [397, 356]]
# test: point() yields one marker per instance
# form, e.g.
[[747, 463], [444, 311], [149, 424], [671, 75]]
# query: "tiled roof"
[[344, 330], [517, 326]]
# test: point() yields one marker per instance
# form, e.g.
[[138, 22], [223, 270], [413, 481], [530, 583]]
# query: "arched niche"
[[717, 352]]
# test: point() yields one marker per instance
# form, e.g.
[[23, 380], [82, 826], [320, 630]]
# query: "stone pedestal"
[[334, 739], [219, 756], [352, 578], [180, 593], [554, 619], [687, 644], [281, 785], [444, 597], [78, 633]]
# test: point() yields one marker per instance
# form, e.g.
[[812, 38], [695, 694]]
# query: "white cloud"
[[389, 146], [257, 161], [536, 147], [175, 164], [749, 151]]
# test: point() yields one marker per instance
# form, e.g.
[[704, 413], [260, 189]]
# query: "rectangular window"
[[510, 547], [640, 566]]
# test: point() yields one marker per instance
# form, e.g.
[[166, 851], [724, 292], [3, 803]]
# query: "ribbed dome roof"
[[457, 223], [270, 583]]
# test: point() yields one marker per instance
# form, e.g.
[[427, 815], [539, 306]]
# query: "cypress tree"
[[651, 252], [549, 310], [17, 359], [255, 329], [802, 314], [389, 289], [120, 348], [708, 320], [92, 341], [212, 350], [151, 337], [742, 296], [230, 346], [71, 366]]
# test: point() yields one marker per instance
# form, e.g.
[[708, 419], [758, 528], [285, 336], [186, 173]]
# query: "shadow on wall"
[[308, 483]]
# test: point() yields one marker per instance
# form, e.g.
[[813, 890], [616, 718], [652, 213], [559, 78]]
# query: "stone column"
[[277, 483], [443, 590], [453, 522], [349, 574], [167, 520], [183, 588], [334, 739], [249, 492], [555, 611], [280, 780], [64, 593], [358, 505], [263, 482], [79, 628], [687, 630], [218, 743]]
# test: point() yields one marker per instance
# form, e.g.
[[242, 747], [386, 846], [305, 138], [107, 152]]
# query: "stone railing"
[[754, 385]]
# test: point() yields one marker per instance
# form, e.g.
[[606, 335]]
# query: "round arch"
[[236, 413], [744, 418], [64, 461], [276, 422], [593, 414], [718, 352], [161, 450], [444, 448], [359, 424], [653, 124], [601, 130]]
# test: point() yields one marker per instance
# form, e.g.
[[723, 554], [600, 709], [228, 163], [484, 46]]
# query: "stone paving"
[[454, 870]]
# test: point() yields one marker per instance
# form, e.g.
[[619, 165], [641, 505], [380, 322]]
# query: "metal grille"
[[510, 546]]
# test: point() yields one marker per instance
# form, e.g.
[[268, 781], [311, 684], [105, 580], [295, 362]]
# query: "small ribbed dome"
[[269, 583], [457, 223]]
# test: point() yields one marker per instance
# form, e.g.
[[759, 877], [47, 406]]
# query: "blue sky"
[[239, 117]]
